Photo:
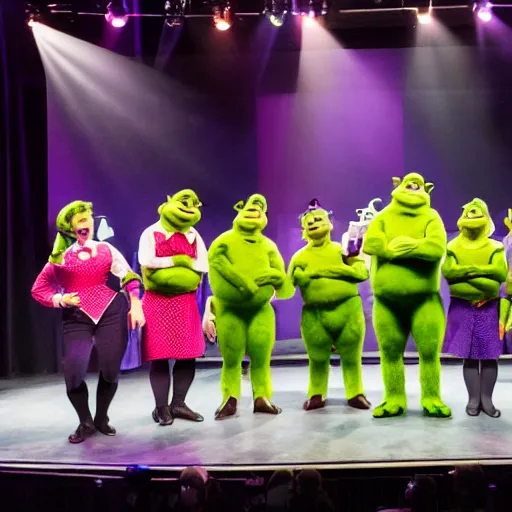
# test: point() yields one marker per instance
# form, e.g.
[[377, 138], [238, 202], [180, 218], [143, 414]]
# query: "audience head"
[[193, 482], [309, 482], [421, 494], [470, 487], [280, 477]]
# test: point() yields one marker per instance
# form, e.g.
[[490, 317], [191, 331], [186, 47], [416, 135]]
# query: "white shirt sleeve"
[[200, 264], [147, 257], [120, 266]]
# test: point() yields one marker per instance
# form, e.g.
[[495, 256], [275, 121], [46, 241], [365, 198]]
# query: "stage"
[[36, 418]]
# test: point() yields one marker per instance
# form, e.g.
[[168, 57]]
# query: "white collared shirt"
[[147, 253]]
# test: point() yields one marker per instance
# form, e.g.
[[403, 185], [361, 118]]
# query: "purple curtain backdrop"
[[337, 126]]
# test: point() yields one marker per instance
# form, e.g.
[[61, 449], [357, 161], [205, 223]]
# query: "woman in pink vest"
[[74, 279]]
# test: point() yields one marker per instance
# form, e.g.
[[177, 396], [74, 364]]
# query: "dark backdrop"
[[26, 336]]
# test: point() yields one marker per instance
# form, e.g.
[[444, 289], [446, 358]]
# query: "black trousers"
[[110, 337], [81, 334]]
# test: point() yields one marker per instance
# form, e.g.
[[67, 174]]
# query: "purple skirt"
[[473, 332]]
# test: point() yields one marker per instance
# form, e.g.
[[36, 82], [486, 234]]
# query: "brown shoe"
[[315, 402], [83, 432], [227, 410], [163, 416], [359, 402], [184, 412], [265, 406]]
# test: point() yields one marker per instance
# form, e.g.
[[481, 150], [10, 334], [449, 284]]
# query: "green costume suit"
[[407, 241], [332, 314], [475, 268], [245, 270]]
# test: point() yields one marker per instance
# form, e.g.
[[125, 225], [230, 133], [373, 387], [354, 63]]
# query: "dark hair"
[[423, 494], [280, 477], [470, 487]]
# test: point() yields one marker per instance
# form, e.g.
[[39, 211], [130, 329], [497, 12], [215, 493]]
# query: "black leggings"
[[183, 374], [480, 376], [110, 336]]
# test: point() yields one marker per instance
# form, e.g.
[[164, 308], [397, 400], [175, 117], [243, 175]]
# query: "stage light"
[[484, 11], [174, 12], [32, 15], [116, 14], [423, 15], [276, 12], [311, 8], [222, 16]]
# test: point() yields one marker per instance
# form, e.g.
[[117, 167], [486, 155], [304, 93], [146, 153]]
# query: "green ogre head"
[[181, 211], [412, 191], [316, 222], [476, 218], [252, 215], [76, 219]]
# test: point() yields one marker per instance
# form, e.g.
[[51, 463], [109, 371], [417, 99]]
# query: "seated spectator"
[[278, 490], [420, 496], [308, 495], [470, 488], [199, 492]]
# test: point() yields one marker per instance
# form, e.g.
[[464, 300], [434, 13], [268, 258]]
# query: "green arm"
[[433, 246], [495, 270], [452, 271], [219, 261], [286, 290], [375, 242], [355, 271], [509, 281], [158, 281]]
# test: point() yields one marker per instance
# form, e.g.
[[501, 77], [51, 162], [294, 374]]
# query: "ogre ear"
[[396, 181], [161, 207], [239, 206], [429, 187]]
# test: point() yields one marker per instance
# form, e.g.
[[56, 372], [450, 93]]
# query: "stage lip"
[[53, 468]]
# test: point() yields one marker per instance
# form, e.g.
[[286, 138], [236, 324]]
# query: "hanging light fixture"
[[222, 15], [116, 14]]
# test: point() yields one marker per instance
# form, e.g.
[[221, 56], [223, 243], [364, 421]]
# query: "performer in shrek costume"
[[173, 258], [245, 270], [75, 279], [407, 241], [332, 314], [475, 268]]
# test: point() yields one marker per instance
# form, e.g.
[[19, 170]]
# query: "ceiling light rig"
[[424, 15], [276, 11], [222, 15], [175, 12], [32, 15], [311, 8], [117, 14]]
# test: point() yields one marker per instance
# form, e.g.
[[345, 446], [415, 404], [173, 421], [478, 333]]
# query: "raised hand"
[[70, 300]]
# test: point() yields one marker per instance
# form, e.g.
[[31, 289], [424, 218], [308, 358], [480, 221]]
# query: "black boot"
[[471, 373], [104, 395], [163, 416], [79, 398], [489, 376]]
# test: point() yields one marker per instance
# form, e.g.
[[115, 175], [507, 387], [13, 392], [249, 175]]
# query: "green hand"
[[182, 260]]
